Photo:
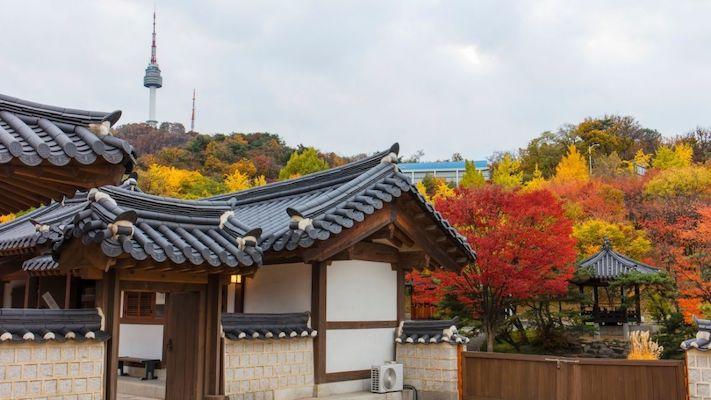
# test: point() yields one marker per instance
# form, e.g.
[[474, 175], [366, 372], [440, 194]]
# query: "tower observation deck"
[[153, 80]]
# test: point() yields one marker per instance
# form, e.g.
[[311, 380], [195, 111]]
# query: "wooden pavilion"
[[343, 237], [599, 270]]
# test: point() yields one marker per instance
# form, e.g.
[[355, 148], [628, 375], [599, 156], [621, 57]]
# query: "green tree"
[[301, 163], [507, 172], [472, 177]]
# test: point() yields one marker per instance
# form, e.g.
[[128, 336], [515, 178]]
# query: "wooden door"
[[182, 346]]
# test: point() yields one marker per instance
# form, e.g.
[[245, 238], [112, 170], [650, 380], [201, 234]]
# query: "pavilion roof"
[[609, 264], [47, 152]]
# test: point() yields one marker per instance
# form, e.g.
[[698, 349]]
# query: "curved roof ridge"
[[309, 182], [72, 115]]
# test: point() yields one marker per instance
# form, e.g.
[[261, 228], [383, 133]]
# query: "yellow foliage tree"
[[175, 182], [442, 191], [572, 167], [507, 172], [692, 180], [6, 218], [423, 191], [624, 238], [680, 156], [537, 182], [237, 181]]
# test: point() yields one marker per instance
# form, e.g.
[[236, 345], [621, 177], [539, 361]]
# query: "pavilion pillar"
[[596, 299], [637, 304], [213, 339], [581, 289], [110, 303]]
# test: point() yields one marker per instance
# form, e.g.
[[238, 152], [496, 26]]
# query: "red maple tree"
[[524, 250]]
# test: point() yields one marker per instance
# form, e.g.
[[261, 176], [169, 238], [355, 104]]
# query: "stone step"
[[152, 389]]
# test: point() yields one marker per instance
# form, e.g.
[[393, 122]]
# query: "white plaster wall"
[[361, 291], [279, 288], [358, 349], [141, 340]]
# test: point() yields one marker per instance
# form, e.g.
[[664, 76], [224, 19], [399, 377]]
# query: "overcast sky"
[[354, 76]]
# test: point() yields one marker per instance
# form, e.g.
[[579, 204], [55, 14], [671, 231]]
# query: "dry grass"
[[643, 348]]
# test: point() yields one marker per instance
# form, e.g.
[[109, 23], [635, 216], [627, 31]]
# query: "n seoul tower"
[[152, 80]]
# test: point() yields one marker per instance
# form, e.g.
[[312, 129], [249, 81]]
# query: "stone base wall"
[[272, 369], [52, 370], [698, 365], [431, 368]]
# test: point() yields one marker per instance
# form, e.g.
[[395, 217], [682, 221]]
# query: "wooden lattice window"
[[141, 307]]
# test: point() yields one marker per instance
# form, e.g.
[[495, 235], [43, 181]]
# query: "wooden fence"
[[499, 376]]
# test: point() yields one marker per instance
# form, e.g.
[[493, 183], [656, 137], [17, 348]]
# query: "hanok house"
[[289, 290], [598, 271]]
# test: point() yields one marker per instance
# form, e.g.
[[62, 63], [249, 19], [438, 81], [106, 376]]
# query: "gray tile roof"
[[35, 135], [41, 325], [609, 264], [266, 326], [329, 202], [281, 216], [123, 220], [430, 332]]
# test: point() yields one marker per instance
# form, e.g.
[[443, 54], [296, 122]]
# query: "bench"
[[149, 366]]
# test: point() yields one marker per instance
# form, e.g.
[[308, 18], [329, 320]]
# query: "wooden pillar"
[[213, 336], [637, 304], [68, 291], [110, 303], [581, 289], [31, 292], [318, 319], [596, 299], [400, 294], [239, 296]]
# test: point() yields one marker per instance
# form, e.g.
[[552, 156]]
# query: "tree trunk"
[[490, 335]]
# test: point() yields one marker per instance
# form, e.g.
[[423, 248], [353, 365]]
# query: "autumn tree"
[[174, 182], [524, 249], [301, 163], [666, 157], [472, 177], [572, 167], [507, 172], [624, 238]]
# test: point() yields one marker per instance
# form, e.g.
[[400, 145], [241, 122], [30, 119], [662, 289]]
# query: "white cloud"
[[353, 76]]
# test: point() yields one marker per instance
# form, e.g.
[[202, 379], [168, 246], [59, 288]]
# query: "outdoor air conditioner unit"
[[386, 378]]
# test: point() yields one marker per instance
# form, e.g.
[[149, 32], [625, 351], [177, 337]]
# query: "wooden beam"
[[111, 300], [413, 260], [361, 324], [158, 276], [326, 249], [318, 318], [412, 229], [367, 251]]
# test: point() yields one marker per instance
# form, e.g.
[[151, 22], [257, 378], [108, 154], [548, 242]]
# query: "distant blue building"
[[451, 171]]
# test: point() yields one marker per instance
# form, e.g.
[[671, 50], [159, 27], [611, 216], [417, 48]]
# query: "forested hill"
[[173, 162]]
